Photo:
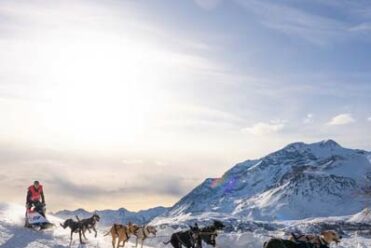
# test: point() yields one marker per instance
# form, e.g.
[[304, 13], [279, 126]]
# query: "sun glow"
[[102, 91], [99, 86]]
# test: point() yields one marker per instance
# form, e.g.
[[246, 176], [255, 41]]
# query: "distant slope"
[[121, 215], [299, 181], [362, 217]]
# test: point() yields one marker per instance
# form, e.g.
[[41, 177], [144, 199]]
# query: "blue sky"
[[151, 88]]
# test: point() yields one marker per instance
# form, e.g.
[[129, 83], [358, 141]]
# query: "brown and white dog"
[[325, 238], [121, 233], [143, 232]]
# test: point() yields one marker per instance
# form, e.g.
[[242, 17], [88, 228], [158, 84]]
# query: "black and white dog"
[[188, 239], [75, 226], [208, 234], [89, 223]]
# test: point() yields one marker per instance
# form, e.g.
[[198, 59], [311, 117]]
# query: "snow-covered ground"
[[239, 232], [14, 235]]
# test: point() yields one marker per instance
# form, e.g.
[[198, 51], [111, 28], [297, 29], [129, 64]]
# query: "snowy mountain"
[[299, 181], [121, 215]]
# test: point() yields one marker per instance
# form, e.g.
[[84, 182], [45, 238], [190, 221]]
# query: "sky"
[[134, 103]]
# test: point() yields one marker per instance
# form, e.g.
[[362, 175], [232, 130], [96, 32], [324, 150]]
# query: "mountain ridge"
[[121, 215]]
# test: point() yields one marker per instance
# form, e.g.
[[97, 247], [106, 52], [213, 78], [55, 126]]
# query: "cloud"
[[151, 186], [308, 119], [262, 128], [369, 118], [341, 119]]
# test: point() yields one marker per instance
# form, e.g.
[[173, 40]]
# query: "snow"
[[14, 235]]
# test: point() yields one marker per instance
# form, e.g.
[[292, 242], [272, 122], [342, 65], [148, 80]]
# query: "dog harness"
[[144, 232], [182, 242], [323, 243], [127, 235]]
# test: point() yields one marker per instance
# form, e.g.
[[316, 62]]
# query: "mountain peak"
[[295, 145], [329, 143]]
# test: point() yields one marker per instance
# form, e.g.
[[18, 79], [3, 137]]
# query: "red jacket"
[[34, 194]]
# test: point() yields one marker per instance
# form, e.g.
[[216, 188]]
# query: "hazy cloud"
[[72, 179]]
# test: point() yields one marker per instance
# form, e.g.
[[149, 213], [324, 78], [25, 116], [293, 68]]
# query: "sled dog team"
[[120, 234], [117, 231], [193, 237]]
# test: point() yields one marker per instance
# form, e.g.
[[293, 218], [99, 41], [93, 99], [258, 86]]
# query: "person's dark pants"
[[38, 207]]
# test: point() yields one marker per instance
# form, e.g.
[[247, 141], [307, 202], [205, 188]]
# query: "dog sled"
[[36, 219]]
